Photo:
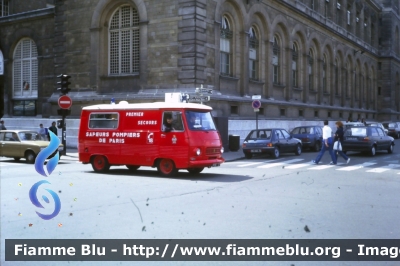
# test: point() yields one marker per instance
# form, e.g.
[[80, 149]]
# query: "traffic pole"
[[64, 131]]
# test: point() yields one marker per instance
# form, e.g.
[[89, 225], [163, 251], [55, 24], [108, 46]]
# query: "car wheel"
[[132, 167], [248, 155], [16, 159], [317, 146], [373, 150], [100, 163], [166, 167], [390, 149], [276, 153], [195, 170], [298, 149], [30, 156]]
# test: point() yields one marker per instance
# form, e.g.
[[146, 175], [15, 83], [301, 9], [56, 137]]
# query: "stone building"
[[308, 59]]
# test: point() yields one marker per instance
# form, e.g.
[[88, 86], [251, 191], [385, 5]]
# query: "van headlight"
[[197, 151], [222, 149]]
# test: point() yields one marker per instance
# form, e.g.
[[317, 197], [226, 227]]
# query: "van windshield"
[[199, 121]]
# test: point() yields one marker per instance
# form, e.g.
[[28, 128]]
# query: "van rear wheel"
[[166, 167], [100, 163]]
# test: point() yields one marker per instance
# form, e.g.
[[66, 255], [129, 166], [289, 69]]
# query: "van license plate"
[[255, 150], [215, 164]]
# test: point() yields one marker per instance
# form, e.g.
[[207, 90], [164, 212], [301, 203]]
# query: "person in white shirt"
[[327, 144], [42, 132]]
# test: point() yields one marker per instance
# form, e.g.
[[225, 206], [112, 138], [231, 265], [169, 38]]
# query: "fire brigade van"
[[168, 136]]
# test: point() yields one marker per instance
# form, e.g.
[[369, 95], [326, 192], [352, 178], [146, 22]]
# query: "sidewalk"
[[229, 156]]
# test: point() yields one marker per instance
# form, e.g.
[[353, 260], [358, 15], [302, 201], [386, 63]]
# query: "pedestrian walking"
[[42, 132], [339, 138], [328, 143], [2, 126], [53, 129]]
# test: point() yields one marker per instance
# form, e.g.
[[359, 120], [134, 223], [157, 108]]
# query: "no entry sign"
[[65, 102]]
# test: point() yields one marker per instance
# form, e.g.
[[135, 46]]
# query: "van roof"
[[123, 105]]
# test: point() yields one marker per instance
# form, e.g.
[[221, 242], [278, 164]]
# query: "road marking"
[[298, 165], [270, 165], [248, 164], [384, 169], [321, 167], [355, 167]]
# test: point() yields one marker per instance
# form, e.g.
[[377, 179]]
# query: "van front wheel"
[[100, 163], [166, 167]]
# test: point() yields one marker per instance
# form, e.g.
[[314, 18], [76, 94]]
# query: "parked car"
[[352, 124], [373, 124], [393, 129], [367, 139], [26, 144], [310, 136], [272, 141]]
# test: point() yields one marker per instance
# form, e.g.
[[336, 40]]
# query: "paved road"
[[253, 199]]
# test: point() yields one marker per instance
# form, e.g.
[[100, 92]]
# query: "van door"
[[173, 138]]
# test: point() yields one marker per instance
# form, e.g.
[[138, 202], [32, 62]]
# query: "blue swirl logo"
[[42, 156], [39, 167], [35, 200]]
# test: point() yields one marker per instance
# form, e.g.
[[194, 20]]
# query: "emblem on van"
[[174, 139], [150, 138]]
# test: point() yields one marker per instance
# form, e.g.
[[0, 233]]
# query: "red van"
[[169, 136]]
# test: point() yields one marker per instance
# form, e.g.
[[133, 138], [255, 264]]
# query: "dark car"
[[272, 141], [310, 136], [367, 139], [393, 129]]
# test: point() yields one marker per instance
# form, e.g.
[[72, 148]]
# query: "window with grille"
[[25, 70], [310, 70], [324, 85], [253, 54], [347, 81], [124, 41], [4, 8], [336, 77], [275, 61], [294, 65], [225, 47]]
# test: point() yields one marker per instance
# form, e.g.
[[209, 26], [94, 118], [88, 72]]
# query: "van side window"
[[103, 120], [172, 121]]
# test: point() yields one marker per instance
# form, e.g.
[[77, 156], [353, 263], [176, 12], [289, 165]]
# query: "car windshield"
[[356, 131], [29, 136], [199, 121], [259, 134], [392, 125]]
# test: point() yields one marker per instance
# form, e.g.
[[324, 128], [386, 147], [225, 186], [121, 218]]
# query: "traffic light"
[[64, 83], [60, 123]]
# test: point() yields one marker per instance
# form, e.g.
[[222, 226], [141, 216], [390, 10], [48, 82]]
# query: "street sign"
[[256, 104], [256, 97], [65, 102], [204, 90], [195, 98]]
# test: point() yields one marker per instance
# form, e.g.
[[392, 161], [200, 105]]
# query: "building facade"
[[308, 59]]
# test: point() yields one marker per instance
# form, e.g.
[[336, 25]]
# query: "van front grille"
[[213, 150]]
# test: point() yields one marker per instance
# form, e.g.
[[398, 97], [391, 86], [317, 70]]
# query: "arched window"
[[347, 85], [295, 56], [124, 41], [337, 77], [4, 8], [25, 70], [253, 54], [275, 61], [324, 85], [356, 85], [310, 70], [225, 47]]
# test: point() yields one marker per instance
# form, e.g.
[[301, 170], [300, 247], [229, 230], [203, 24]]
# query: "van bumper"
[[206, 163]]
